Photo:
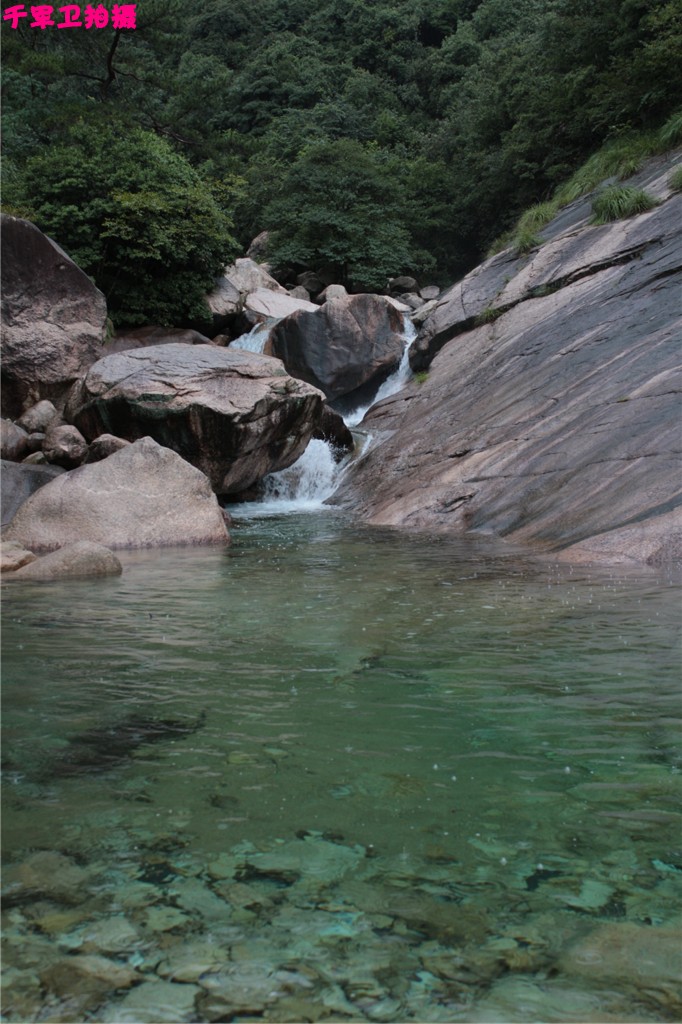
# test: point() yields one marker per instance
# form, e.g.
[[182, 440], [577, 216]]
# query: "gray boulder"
[[19, 482], [141, 496], [258, 249], [64, 445], [82, 558], [345, 344], [235, 415], [14, 443], [402, 284], [53, 318], [104, 446], [268, 304], [38, 418], [332, 291]]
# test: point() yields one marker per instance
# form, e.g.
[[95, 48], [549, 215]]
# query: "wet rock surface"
[[234, 415], [141, 496], [553, 417]]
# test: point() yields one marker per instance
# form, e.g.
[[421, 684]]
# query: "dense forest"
[[372, 137]]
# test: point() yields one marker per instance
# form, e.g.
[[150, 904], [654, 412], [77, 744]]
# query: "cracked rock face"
[[235, 415], [53, 318], [558, 420]]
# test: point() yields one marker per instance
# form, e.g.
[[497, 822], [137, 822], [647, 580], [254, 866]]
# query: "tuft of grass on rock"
[[675, 180], [618, 201], [421, 376], [488, 316]]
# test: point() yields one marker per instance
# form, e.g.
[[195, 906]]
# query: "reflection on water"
[[335, 773]]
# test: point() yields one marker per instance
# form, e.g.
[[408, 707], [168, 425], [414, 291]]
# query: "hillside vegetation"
[[373, 138]]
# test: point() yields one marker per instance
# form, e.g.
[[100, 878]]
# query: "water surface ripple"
[[341, 773]]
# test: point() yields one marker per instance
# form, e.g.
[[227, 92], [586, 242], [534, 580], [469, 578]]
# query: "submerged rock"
[[233, 414], [105, 747], [141, 496]]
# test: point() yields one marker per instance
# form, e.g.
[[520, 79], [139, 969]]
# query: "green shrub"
[[135, 216], [670, 135], [618, 201], [525, 241]]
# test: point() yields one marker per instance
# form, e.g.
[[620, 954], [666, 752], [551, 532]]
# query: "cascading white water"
[[396, 382], [314, 477], [255, 340], [302, 487]]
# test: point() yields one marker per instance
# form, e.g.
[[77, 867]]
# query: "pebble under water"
[[340, 773]]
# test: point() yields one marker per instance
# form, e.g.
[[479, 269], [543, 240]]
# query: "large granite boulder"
[[346, 344], [141, 496], [19, 482], [267, 304], [53, 318], [143, 337], [555, 419], [235, 415]]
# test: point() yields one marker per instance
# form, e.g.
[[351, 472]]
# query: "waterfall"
[[255, 340], [314, 477], [393, 384], [302, 487]]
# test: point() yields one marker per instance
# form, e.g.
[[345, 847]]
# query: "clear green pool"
[[341, 773]]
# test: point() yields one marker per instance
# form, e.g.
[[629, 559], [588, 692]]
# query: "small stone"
[[113, 935], [91, 977], [165, 919], [155, 1001], [50, 874]]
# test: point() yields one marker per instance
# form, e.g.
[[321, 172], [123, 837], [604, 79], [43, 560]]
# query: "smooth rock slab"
[[141, 496], [19, 482], [235, 415]]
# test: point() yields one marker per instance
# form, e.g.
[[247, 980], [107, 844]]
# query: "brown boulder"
[[235, 415], [38, 417], [80, 559], [104, 446], [141, 496], [65, 446], [53, 318], [347, 343]]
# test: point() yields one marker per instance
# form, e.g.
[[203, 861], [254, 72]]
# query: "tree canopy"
[[384, 138]]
